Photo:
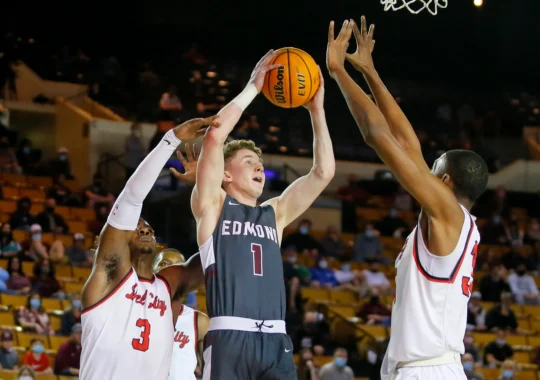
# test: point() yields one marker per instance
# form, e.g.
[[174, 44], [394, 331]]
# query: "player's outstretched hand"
[[317, 102], [260, 70], [190, 165], [337, 47], [361, 59], [191, 129]]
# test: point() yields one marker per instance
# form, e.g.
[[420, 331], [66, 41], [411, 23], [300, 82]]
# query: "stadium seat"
[[4, 218], [516, 340], [17, 180], [522, 357], [67, 240], [56, 341], [346, 297], [343, 311], [34, 194], [24, 339], [83, 213], [525, 375], [77, 226], [7, 319], [63, 211], [8, 206], [377, 332], [56, 322], [533, 311], [14, 300], [11, 193], [73, 287], [73, 185], [39, 182], [51, 304], [36, 208], [315, 294], [47, 377], [28, 268], [81, 273], [5, 375], [482, 339], [4, 263], [63, 270], [322, 360], [47, 237], [19, 235], [533, 341]]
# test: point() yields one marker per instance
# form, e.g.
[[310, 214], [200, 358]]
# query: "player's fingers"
[[331, 32], [201, 132], [371, 31], [372, 45], [321, 78], [195, 152], [265, 57], [268, 68], [212, 121], [181, 158], [189, 153], [176, 173], [342, 37], [364, 27], [357, 34]]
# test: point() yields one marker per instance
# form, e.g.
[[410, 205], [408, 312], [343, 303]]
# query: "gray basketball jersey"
[[244, 273]]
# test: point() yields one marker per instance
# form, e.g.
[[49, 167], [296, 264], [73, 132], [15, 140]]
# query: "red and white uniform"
[[186, 336], [429, 314], [128, 335]]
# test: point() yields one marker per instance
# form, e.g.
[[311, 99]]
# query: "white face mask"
[[26, 377]]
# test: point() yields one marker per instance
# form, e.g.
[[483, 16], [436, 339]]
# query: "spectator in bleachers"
[[51, 221], [302, 240], [345, 275], [313, 332], [95, 226], [501, 316], [476, 314], [77, 254], [21, 218], [492, 285], [34, 248], [376, 280], [60, 165], [291, 277], [486, 260], [8, 246], [18, 282], [72, 315], [134, 150], [306, 368], [96, 193], [25, 373], [393, 225], [403, 200], [338, 369], [33, 316], [515, 231], [499, 202], [68, 358], [37, 358], [323, 276], [495, 231], [533, 231], [61, 193], [374, 312], [44, 282], [29, 158], [9, 358], [468, 366], [332, 245], [470, 346], [368, 245], [498, 351], [8, 160], [508, 369], [523, 286]]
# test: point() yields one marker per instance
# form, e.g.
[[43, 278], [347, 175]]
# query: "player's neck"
[[143, 265], [242, 197]]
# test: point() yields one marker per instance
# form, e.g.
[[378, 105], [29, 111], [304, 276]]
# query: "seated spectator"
[[306, 368], [18, 282], [9, 358], [468, 367], [523, 286], [302, 271], [21, 218], [29, 158], [77, 254], [51, 221], [291, 277], [44, 283], [498, 351], [25, 373], [495, 231], [376, 280], [512, 258], [302, 240], [314, 331], [60, 165], [96, 226], [375, 313], [338, 369], [332, 245], [97, 194], [72, 315], [476, 315], [61, 193], [393, 225], [501, 316], [470, 346], [345, 275], [492, 285], [8, 246], [34, 248], [533, 231], [8, 160], [321, 275], [37, 358], [68, 358], [33, 317], [368, 245], [508, 370]]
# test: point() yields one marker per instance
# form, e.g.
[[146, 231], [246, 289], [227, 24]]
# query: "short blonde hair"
[[230, 149]]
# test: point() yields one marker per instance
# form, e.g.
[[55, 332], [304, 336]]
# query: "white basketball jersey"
[[429, 314], [184, 357], [128, 335]]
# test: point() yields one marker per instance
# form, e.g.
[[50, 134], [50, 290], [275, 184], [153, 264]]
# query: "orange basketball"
[[294, 84]]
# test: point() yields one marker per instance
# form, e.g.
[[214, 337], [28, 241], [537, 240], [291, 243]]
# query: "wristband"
[[246, 97], [171, 140]]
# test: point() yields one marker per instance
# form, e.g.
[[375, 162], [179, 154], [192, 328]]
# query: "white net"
[[415, 6]]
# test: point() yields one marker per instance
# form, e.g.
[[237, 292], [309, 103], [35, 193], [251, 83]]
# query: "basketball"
[[293, 84]]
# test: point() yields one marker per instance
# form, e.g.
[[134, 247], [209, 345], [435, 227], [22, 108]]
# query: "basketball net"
[[415, 6]]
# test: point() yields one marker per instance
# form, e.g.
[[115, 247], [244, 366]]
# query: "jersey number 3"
[[142, 343], [256, 249], [467, 282]]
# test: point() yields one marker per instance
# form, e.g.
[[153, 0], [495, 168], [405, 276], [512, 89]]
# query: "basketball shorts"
[[435, 372], [242, 355]]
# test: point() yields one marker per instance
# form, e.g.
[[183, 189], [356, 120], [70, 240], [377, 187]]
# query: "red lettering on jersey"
[[140, 299], [159, 305], [466, 286], [403, 249], [181, 338]]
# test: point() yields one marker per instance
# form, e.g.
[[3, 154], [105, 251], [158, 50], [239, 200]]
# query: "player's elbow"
[[324, 172], [375, 139], [214, 139]]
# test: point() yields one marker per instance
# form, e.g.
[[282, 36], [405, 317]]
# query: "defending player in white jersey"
[[435, 267], [127, 317], [190, 326]]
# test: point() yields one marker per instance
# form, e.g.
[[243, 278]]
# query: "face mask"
[[374, 300], [346, 267], [496, 219], [508, 374], [323, 264], [27, 150], [76, 303], [26, 377], [36, 237], [521, 272], [49, 209], [35, 303], [369, 233], [501, 342], [468, 366], [38, 348], [304, 230], [62, 157], [393, 213], [468, 340], [45, 270], [373, 270], [25, 206], [340, 362], [291, 259]]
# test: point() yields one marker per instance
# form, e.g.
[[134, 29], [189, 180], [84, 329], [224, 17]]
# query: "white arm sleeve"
[[126, 211]]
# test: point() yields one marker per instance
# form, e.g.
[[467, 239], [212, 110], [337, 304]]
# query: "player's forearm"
[[367, 115], [399, 124], [324, 164]]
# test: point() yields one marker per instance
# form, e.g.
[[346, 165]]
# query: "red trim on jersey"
[[452, 278], [196, 326], [181, 310], [166, 283], [148, 280], [111, 293]]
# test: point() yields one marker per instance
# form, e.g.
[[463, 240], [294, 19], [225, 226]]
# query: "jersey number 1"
[[467, 282], [256, 249], [142, 343]]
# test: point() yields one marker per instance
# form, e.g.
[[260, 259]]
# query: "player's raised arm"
[[302, 193], [400, 126], [427, 189]]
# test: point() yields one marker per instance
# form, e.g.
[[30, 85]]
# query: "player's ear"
[[227, 177], [447, 180]]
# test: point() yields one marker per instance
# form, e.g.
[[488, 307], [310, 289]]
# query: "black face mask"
[[521, 272], [310, 326], [49, 210], [374, 300]]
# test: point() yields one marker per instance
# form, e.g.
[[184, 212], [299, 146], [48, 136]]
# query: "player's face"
[[143, 240], [245, 172]]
